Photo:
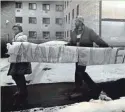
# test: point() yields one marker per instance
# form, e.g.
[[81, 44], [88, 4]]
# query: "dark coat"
[[87, 38], [20, 68]]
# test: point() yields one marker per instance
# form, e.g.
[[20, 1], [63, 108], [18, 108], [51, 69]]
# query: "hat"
[[80, 18]]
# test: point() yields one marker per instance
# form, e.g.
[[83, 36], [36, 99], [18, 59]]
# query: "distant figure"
[[84, 37], [18, 70]]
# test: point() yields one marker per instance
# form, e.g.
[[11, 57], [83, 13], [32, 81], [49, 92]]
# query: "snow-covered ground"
[[92, 106], [97, 106], [63, 72]]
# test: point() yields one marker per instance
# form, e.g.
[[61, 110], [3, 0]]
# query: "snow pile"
[[53, 43], [97, 106], [57, 73], [49, 109], [3, 63], [66, 73], [104, 73], [92, 106]]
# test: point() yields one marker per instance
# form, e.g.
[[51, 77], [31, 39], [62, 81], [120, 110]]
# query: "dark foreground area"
[[49, 95]]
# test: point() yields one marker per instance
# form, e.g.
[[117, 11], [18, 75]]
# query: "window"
[[65, 4], [59, 35], [18, 10], [46, 35], [66, 18], [18, 5], [32, 20], [46, 7], [59, 21], [32, 6], [59, 8], [112, 25], [70, 33], [67, 34], [113, 9], [19, 20], [77, 11], [73, 14], [32, 34], [46, 20], [69, 18]]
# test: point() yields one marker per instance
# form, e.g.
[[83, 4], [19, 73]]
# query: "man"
[[83, 36]]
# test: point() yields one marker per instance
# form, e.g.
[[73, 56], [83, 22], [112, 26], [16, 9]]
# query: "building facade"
[[7, 21], [113, 20], [50, 20], [41, 20]]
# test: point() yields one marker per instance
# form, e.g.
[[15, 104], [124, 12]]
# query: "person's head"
[[79, 22], [17, 29]]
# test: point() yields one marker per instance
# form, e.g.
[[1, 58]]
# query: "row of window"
[[46, 7], [46, 35], [68, 16], [33, 20]]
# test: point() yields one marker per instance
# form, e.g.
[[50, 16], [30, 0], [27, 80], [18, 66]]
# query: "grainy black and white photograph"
[[62, 56]]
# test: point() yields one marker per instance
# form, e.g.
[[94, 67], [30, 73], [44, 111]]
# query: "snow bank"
[[97, 106], [53, 43], [57, 73], [64, 73], [92, 106], [4, 62]]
